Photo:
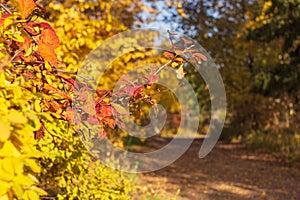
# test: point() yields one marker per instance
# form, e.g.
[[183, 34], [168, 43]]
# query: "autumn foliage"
[[40, 154]]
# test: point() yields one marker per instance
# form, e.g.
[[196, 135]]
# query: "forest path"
[[230, 171]]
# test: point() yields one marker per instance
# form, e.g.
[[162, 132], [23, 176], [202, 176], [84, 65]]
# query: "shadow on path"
[[230, 171]]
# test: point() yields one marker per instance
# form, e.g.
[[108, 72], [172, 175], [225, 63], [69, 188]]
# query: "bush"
[[41, 155]]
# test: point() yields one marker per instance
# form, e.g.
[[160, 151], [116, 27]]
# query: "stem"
[[162, 67], [5, 8], [74, 73]]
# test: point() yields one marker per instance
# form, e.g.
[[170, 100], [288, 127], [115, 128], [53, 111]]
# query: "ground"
[[230, 171]]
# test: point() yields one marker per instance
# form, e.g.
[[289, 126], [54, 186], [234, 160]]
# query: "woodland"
[[255, 45]]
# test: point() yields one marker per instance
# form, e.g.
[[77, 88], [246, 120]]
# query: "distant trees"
[[257, 44]]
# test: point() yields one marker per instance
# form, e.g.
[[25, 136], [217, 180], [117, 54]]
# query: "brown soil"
[[230, 171]]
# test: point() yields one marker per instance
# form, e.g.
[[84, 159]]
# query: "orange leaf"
[[56, 106], [110, 122], [168, 55], [25, 7], [49, 36], [106, 111], [69, 114], [47, 52]]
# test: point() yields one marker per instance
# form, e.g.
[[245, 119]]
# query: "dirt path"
[[230, 171]]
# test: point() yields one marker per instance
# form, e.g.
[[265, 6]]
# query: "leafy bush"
[[40, 152]]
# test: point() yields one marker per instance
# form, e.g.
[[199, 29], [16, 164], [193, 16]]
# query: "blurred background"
[[255, 44]]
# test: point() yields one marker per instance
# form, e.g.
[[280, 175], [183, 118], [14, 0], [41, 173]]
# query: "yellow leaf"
[[33, 165], [18, 165], [17, 37], [23, 180], [39, 191], [37, 106], [7, 22], [46, 116], [4, 197], [2, 78], [33, 178], [29, 194], [108, 28], [16, 117], [5, 132], [18, 190], [4, 187], [9, 149], [175, 64], [34, 118]]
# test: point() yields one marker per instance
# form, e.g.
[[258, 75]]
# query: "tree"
[[256, 44]]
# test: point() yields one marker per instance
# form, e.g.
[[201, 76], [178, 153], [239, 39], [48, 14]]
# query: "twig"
[[162, 67], [27, 32], [170, 61], [170, 38], [74, 73], [5, 8]]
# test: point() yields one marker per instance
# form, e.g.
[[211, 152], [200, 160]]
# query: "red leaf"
[[102, 133], [153, 68], [71, 82], [29, 27], [180, 53], [47, 52], [124, 80], [39, 133], [138, 90], [191, 50], [152, 78], [201, 56], [97, 107], [102, 92], [92, 120], [25, 7], [45, 25], [185, 41], [129, 90]]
